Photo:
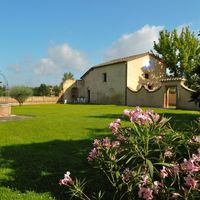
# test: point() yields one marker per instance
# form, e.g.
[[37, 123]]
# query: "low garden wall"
[[158, 97], [31, 100], [144, 97]]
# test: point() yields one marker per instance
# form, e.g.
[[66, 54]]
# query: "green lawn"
[[36, 152]]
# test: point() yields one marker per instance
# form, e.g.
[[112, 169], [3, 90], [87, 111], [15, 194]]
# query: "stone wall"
[[161, 98], [31, 100], [144, 97]]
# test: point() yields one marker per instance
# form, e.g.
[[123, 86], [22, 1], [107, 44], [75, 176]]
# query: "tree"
[[56, 90], [196, 95], [67, 76], [181, 53], [2, 91], [20, 93], [42, 90]]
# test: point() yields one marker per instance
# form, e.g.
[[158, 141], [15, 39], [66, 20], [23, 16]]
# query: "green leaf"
[[117, 174], [129, 159], [121, 158], [151, 168], [164, 164]]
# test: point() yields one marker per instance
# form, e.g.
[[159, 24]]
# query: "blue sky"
[[40, 40]]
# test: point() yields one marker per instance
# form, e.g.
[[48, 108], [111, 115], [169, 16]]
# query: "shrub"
[[146, 160], [20, 93]]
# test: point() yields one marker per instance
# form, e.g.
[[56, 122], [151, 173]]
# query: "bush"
[[20, 93], [146, 160]]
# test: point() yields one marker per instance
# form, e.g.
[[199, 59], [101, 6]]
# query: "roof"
[[173, 79], [119, 60]]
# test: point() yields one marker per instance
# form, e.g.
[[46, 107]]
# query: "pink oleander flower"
[[144, 180], [153, 117], [116, 143], [191, 182], [114, 125], [189, 166], [118, 121], [97, 143], [106, 142], [157, 186], [145, 193], [196, 157], [126, 112], [143, 119], [67, 180], [140, 117], [126, 175], [175, 168], [93, 153], [136, 115], [195, 139], [164, 172], [168, 153], [175, 195]]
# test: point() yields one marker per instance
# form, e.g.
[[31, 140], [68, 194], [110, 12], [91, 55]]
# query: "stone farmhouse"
[[138, 80]]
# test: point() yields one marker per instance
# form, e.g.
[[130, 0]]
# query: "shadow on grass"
[[178, 121], [39, 166], [181, 122], [109, 116]]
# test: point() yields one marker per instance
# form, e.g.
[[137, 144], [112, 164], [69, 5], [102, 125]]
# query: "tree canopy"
[[2, 90], [180, 52], [42, 90], [20, 93], [67, 76]]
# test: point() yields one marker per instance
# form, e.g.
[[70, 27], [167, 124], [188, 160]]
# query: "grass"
[[36, 152]]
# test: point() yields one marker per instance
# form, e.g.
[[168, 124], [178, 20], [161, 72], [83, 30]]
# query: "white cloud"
[[61, 57], [134, 43], [15, 67], [45, 66], [181, 27]]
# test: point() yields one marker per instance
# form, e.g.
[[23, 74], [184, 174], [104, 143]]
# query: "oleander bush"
[[145, 160]]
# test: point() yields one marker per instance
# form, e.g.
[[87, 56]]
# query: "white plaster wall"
[[111, 91], [135, 72]]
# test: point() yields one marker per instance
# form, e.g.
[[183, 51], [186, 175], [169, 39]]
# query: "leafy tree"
[[166, 49], [66, 76], [20, 93], [181, 53], [196, 95], [42, 90], [46, 90], [56, 90], [2, 91], [35, 91]]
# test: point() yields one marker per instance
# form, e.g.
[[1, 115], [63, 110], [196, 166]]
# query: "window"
[[150, 87], [146, 76], [104, 77]]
